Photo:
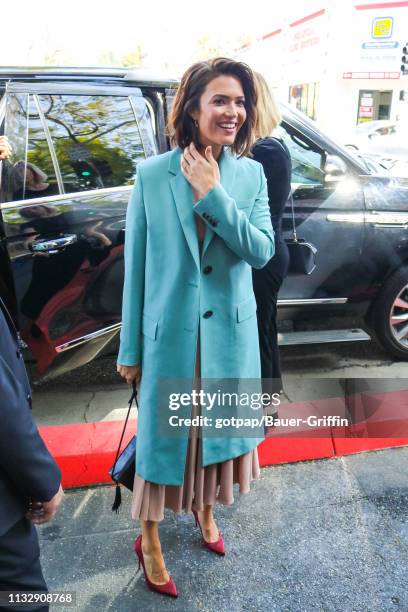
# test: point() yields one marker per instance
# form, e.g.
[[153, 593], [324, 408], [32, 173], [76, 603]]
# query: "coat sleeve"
[[133, 290], [251, 238], [24, 458]]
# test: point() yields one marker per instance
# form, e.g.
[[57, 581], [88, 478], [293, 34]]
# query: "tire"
[[389, 317]]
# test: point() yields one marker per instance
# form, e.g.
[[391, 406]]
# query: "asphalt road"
[[328, 535]]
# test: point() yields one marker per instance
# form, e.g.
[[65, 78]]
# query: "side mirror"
[[334, 169]]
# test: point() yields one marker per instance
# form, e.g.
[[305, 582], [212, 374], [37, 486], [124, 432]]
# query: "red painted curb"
[[86, 451], [348, 446], [386, 426], [287, 450]]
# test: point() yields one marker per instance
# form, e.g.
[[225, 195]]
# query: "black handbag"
[[123, 469], [302, 254]]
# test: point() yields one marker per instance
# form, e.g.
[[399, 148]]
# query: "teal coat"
[[166, 294]]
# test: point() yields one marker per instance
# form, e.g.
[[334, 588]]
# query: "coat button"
[[18, 354], [207, 270], [208, 314]]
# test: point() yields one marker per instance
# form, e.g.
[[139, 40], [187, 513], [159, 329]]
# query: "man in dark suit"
[[30, 480]]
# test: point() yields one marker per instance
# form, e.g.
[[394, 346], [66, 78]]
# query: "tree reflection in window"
[[97, 140]]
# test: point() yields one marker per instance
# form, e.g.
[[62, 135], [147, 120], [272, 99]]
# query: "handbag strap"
[[132, 397], [293, 216], [290, 196]]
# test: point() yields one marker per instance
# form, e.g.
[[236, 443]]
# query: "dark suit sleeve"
[[277, 167], [24, 458]]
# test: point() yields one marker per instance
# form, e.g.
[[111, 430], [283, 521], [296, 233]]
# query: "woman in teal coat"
[[198, 219]]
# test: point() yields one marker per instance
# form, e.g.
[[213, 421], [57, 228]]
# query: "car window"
[[311, 188], [36, 172], [30, 172], [146, 123], [307, 162], [90, 142], [170, 95], [97, 139]]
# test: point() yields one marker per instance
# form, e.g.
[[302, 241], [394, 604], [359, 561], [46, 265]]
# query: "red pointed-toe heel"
[[169, 588], [218, 546]]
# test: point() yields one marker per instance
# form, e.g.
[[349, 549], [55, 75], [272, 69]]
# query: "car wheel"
[[390, 314]]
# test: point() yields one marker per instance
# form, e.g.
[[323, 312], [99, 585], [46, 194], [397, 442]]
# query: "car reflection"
[[62, 273], [30, 182]]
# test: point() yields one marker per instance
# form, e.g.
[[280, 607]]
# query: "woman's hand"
[[130, 373], [5, 149], [201, 172]]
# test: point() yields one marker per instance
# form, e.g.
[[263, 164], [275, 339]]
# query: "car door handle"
[[53, 245], [357, 217]]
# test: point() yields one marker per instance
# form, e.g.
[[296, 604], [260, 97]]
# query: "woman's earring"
[[196, 122]]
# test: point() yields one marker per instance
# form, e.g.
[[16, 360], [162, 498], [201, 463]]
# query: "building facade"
[[339, 64]]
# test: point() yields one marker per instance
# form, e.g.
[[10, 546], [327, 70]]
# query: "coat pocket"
[[246, 309], [149, 327]]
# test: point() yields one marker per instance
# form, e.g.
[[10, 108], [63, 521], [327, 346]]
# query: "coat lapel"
[[183, 197]]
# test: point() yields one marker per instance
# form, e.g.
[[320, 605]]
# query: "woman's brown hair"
[[181, 126]]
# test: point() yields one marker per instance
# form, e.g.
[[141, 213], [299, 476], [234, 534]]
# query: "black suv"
[[77, 137]]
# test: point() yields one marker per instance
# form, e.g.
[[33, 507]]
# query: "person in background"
[[30, 480], [274, 156]]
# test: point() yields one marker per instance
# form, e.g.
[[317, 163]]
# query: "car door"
[[329, 214], [65, 193]]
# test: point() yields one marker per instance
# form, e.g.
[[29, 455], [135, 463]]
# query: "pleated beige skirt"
[[201, 485]]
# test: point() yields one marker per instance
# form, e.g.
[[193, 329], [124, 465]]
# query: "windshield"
[[373, 166]]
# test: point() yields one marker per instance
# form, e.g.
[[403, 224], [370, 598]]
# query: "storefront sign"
[[371, 75], [306, 48], [376, 32], [382, 27]]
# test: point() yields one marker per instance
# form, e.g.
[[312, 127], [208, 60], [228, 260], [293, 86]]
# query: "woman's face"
[[222, 111]]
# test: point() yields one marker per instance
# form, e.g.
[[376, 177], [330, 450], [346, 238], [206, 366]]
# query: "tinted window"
[[17, 125], [146, 123], [170, 95], [97, 140], [37, 171], [307, 162], [310, 186], [30, 172]]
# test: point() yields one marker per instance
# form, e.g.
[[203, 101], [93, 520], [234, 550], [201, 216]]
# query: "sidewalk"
[[328, 535]]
